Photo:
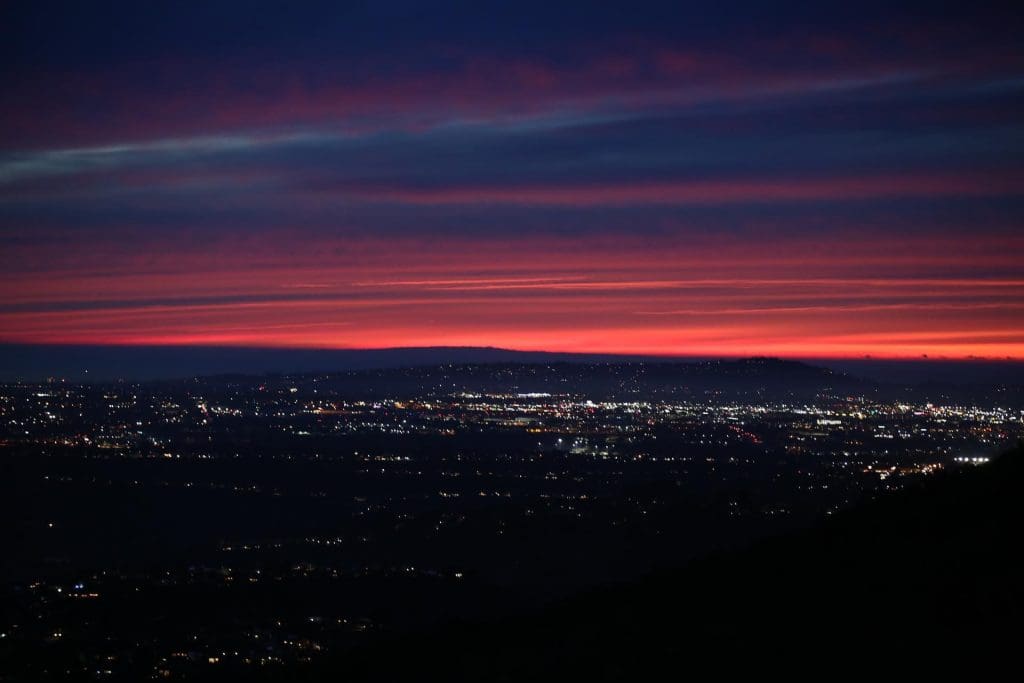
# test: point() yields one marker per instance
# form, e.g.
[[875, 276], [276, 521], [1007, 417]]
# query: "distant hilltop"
[[756, 378], [137, 363], [752, 380]]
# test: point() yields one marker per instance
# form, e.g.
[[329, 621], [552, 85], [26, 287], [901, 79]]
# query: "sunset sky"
[[725, 179]]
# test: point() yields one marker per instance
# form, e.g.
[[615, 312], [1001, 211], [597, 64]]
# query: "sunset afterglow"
[[650, 184]]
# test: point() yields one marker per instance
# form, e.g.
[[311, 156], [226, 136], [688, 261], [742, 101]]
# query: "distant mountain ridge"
[[140, 363], [106, 363]]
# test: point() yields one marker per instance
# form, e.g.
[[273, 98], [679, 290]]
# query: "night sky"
[[655, 178]]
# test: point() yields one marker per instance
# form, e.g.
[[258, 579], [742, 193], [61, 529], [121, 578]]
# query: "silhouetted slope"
[[908, 575]]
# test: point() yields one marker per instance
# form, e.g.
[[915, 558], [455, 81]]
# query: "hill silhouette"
[[97, 363], [910, 574]]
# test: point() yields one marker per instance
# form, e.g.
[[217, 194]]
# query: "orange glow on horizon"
[[878, 295]]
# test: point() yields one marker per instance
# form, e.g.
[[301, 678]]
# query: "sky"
[[720, 179]]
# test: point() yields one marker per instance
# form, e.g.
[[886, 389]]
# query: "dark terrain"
[[903, 577]]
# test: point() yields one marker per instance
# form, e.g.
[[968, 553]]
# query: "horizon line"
[[625, 355]]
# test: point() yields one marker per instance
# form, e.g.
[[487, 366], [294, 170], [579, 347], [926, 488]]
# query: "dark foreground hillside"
[[921, 575]]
